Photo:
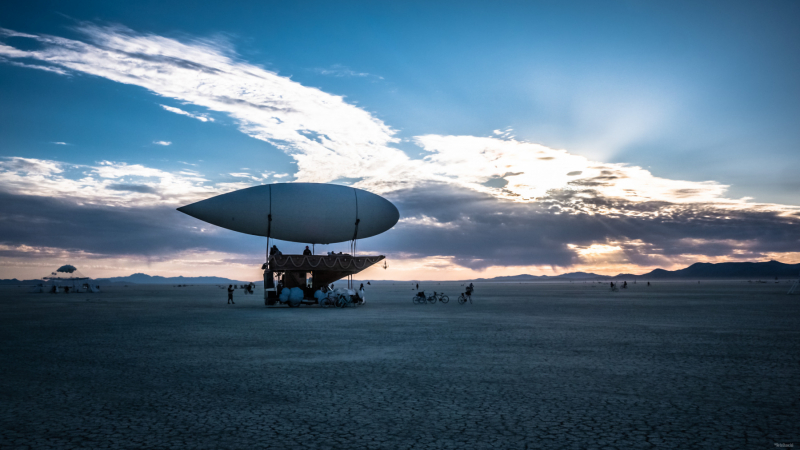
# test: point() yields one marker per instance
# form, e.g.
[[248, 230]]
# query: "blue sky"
[[667, 98]]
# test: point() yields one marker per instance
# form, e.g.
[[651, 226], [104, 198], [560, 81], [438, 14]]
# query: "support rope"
[[269, 224]]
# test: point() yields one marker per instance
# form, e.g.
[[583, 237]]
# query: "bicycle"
[[419, 298], [464, 297], [440, 297]]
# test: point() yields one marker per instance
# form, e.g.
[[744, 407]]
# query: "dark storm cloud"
[[152, 232], [480, 230], [476, 229], [140, 188]]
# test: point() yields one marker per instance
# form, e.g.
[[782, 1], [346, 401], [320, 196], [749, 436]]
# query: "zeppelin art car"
[[309, 213]]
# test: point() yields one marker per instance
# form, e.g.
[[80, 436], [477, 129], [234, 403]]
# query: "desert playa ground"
[[675, 365]]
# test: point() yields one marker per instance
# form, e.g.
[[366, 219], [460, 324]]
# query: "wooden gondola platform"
[[294, 270], [339, 263]]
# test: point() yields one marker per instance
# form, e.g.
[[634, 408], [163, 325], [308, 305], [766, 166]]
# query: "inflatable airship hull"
[[310, 213]]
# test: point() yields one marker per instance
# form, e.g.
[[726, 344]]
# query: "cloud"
[[164, 143], [33, 66], [60, 143], [478, 231], [40, 233], [140, 188], [531, 170], [328, 137], [107, 183], [200, 117], [340, 71]]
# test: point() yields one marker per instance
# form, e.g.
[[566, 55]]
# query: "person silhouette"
[[230, 294]]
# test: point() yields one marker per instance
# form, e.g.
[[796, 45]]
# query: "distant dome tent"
[[66, 278]]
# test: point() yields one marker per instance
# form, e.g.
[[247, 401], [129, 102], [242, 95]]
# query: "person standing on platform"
[[307, 251], [230, 295]]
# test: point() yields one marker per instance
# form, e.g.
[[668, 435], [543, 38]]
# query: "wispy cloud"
[[341, 71], [200, 117], [328, 137], [164, 143], [32, 66], [60, 143]]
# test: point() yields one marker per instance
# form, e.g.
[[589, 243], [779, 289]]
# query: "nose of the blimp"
[[244, 211], [204, 210], [189, 209]]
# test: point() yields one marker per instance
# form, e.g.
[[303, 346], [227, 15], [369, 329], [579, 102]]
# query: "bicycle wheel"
[[432, 300], [415, 299], [461, 299], [341, 301], [444, 299], [323, 302]]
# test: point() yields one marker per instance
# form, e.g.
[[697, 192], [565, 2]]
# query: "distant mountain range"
[[737, 270], [140, 278]]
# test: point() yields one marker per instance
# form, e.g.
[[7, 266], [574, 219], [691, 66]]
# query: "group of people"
[[248, 289], [624, 285], [273, 251]]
